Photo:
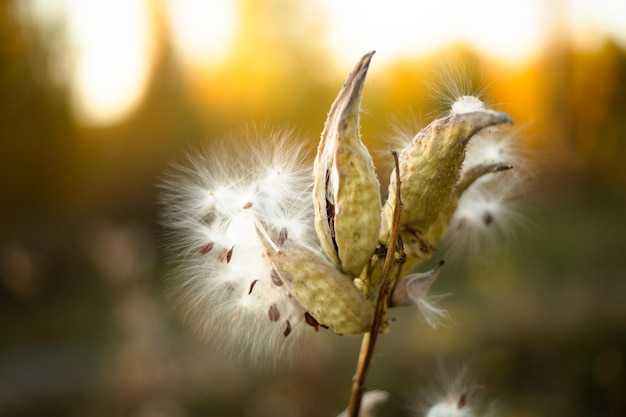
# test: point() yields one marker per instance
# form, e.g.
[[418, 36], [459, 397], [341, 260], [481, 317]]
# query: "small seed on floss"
[[275, 278], [282, 236], [225, 255], [330, 214], [247, 205], [288, 329], [310, 320], [274, 313], [462, 400], [204, 249], [252, 286], [229, 254], [488, 218]]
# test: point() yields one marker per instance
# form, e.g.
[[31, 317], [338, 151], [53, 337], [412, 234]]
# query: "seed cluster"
[[254, 268]]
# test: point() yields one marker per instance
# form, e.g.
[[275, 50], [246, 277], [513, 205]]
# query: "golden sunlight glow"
[[202, 30], [591, 20], [112, 47], [510, 30], [114, 42]]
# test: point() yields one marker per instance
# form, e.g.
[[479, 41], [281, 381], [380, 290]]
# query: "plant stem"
[[387, 283]]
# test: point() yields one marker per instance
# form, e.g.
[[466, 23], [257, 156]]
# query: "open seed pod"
[[430, 168], [346, 192], [328, 295], [468, 177]]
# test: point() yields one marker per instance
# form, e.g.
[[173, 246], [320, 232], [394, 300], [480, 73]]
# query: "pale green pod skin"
[[429, 170], [346, 192], [324, 292], [468, 177]]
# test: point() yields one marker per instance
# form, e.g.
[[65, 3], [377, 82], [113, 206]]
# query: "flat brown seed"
[[276, 278], [274, 313], [247, 205], [288, 329], [282, 236], [204, 249], [488, 218], [310, 320], [229, 254], [462, 400], [330, 214], [252, 284]]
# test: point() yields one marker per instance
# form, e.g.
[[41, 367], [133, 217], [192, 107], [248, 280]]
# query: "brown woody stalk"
[[387, 283]]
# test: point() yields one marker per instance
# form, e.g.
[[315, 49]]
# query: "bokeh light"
[[112, 43], [99, 98]]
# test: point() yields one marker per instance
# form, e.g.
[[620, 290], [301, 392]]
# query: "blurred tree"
[[598, 85], [277, 70], [35, 125], [582, 106]]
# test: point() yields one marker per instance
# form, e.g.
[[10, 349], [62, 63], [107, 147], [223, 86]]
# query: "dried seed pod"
[[346, 191], [326, 293], [429, 170], [468, 177]]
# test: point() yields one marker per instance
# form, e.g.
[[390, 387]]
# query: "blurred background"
[[98, 97]]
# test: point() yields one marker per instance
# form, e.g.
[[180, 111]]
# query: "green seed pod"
[[327, 294], [468, 177], [429, 170], [346, 192]]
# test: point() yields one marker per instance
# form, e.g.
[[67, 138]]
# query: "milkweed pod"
[[467, 178], [327, 294], [429, 170], [346, 191]]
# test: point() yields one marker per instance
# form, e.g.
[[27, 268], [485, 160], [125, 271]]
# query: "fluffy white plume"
[[216, 207], [487, 210]]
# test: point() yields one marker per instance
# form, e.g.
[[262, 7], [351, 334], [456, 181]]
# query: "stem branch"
[[387, 283]]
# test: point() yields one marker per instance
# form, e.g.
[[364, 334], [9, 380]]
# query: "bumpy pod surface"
[[467, 178], [324, 292], [346, 192], [429, 170]]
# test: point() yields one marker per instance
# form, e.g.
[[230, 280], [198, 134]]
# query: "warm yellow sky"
[[112, 42]]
